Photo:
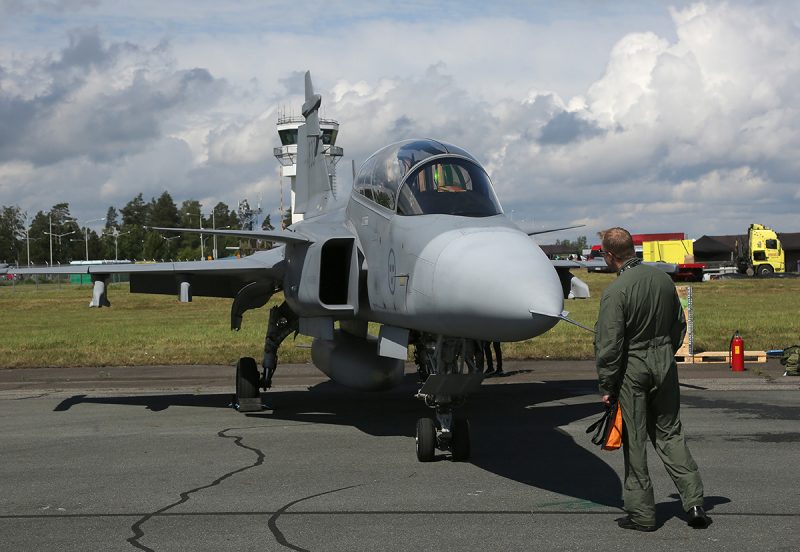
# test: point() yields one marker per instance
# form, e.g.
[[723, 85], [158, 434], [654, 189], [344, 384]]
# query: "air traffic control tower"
[[287, 152]]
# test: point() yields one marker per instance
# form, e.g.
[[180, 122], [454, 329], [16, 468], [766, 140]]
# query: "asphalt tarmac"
[[154, 459]]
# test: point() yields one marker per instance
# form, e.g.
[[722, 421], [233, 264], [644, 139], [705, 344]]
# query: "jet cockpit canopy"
[[424, 177]]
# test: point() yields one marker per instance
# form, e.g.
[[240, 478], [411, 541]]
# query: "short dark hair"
[[618, 242]]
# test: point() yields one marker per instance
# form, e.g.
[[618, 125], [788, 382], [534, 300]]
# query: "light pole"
[[50, 220], [86, 231], [214, 227], [116, 234], [27, 233], [202, 251], [28, 239], [59, 236], [200, 216], [169, 239]]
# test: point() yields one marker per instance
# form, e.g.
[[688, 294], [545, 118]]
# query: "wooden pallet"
[[720, 357]]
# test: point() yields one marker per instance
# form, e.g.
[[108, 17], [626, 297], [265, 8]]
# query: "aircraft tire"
[[459, 445], [426, 439], [247, 378]]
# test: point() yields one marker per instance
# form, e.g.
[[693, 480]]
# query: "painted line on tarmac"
[[375, 513]]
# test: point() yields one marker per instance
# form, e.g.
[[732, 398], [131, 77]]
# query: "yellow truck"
[[668, 251], [677, 252], [760, 252]]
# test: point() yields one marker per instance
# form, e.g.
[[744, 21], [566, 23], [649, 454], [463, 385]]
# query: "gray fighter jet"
[[420, 247]]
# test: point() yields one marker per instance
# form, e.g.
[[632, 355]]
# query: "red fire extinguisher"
[[737, 352]]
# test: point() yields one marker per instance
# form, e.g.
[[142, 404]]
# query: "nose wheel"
[[444, 393], [426, 439], [456, 439]]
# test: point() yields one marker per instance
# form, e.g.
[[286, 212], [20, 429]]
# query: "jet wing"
[[280, 236], [599, 265], [219, 278], [574, 264]]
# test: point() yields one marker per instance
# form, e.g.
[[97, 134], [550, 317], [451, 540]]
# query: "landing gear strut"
[[453, 376], [282, 322]]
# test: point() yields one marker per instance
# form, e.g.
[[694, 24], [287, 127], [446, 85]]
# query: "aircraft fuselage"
[[474, 277]]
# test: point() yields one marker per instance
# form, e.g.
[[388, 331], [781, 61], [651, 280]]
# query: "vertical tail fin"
[[312, 184]]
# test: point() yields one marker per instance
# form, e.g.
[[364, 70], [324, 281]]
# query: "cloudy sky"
[[657, 116]]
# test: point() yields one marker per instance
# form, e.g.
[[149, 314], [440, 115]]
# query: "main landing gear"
[[282, 322], [248, 396], [453, 375]]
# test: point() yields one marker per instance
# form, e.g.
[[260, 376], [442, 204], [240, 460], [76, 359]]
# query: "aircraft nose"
[[496, 285]]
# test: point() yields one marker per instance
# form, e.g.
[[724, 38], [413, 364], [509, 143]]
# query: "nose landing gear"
[[456, 439], [453, 377], [448, 432]]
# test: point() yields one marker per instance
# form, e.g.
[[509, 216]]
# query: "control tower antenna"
[[287, 152]]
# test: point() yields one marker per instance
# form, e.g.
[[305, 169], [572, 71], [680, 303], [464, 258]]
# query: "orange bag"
[[608, 429], [613, 439]]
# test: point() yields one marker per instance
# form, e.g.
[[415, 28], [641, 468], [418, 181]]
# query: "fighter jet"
[[421, 247]]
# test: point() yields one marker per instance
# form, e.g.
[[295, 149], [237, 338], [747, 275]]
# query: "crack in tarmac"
[[272, 523], [136, 528], [273, 520]]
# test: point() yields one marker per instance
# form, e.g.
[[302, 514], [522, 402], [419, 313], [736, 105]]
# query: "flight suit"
[[639, 328]]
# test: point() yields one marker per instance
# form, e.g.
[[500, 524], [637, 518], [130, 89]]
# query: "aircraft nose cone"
[[496, 285]]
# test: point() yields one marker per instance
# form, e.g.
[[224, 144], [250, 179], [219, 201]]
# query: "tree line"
[[576, 246], [127, 233]]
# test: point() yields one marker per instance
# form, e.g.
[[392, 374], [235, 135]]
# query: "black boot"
[[697, 518], [627, 523]]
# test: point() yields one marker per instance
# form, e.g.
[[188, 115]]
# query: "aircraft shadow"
[[156, 403], [514, 433], [515, 430]]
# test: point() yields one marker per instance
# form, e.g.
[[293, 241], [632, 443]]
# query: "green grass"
[[51, 325], [765, 311]]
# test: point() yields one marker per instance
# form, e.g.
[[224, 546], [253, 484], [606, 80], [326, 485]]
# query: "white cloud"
[[246, 143], [717, 186], [655, 119]]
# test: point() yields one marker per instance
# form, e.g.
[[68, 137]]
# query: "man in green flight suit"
[[639, 328]]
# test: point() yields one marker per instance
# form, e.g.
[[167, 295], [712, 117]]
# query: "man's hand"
[[606, 400]]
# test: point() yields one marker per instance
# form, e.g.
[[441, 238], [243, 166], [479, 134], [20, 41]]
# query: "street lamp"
[[169, 239], [200, 216], [215, 236], [86, 230], [116, 234], [214, 227], [59, 236], [28, 239]]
